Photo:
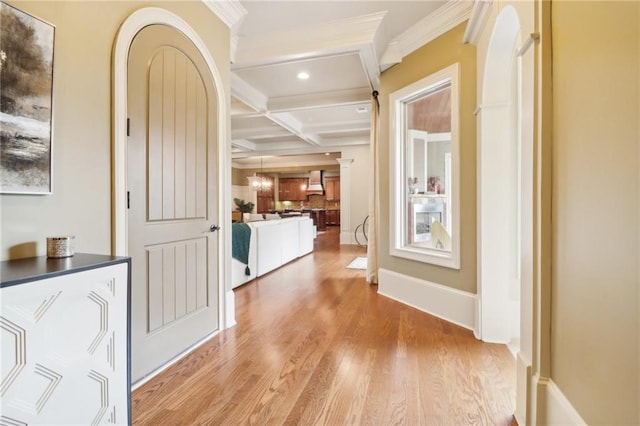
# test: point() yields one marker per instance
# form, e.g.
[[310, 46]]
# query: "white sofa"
[[273, 243]]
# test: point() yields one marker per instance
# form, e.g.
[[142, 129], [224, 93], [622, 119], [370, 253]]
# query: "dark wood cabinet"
[[292, 189], [332, 188], [265, 205], [269, 191], [319, 218], [284, 190], [265, 200], [333, 217]]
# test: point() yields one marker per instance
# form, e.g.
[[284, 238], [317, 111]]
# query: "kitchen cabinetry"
[[265, 204], [293, 189], [66, 354], [333, 217], [265, 201], [269, 191], [332, 188]]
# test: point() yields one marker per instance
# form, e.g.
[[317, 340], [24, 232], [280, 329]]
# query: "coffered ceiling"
[[343, 46]]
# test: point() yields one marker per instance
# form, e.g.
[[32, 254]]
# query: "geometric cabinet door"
[[65, 348]]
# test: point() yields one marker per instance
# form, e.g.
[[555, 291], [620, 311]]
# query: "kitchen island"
[[319, 216]]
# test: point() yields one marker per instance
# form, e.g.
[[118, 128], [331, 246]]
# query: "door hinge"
[[128, 200], [128, 128]]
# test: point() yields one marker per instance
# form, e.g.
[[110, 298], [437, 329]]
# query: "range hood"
[[315, 183]]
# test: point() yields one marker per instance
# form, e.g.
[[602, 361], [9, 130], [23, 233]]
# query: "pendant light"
[[259, 183]]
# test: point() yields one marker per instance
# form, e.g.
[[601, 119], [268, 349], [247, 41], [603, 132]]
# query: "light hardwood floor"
[[316, 344]]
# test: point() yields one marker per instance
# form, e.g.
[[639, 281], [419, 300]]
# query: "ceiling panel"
[[328, 73]]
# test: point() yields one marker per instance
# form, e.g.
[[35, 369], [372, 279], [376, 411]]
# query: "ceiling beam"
[[288, 151], [259, 132], [248, 94], [320, 100], [336, 127], [244, 144]]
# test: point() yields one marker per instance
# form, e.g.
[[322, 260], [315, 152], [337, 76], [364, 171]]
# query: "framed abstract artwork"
[[26, 79]]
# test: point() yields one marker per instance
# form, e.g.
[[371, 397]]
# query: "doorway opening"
[[504, 183]]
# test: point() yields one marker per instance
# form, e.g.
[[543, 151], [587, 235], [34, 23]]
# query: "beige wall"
[[239, 177], [432, 57], [81, 201], [359, 188], [595, 302]]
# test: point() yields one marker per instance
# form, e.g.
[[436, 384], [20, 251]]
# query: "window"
[[424, 175]]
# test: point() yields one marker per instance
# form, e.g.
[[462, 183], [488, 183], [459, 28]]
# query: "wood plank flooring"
[[316, 344]]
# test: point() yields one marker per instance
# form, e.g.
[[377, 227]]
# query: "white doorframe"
[[130, 27], [501, 109], [497, 183]]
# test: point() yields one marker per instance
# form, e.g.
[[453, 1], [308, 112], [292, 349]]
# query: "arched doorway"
[[127, 32], [500, 186]]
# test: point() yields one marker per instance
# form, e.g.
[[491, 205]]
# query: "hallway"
[[316, 344]]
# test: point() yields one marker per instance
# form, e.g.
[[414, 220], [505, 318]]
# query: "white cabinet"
[[305, 235], [65, 340], [290, 237]]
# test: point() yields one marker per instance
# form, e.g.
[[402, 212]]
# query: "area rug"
[[358, 263]]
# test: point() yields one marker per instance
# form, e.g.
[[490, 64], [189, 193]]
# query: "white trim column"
[[346, 233]]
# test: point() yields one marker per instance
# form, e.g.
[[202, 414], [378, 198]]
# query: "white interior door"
[[173, 197]]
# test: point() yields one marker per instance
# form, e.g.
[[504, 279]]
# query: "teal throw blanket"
[[240, 238]]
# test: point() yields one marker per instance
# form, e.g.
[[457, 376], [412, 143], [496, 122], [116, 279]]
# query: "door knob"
[[213, 228]]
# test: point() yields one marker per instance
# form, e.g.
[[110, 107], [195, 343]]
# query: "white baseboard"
[[346, 237], [513, 311], [523, 389], [230, 309], [444, 302], [172, 361], [553, 406]]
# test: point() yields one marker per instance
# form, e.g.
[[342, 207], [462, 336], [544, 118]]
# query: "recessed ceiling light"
[[362, 110], [303, 75], [326, 153]]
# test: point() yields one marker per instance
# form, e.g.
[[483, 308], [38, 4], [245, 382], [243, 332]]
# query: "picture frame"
[[26, 102]]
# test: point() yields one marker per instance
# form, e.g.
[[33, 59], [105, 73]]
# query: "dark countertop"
[[20, 271], [300, 210]]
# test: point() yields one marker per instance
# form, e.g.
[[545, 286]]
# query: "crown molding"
[[345, 162], [480, 12], [229, 11], [391, 56], [443, 19]]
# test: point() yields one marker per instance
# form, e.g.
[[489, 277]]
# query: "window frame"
[[398, 197]]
